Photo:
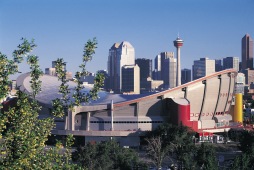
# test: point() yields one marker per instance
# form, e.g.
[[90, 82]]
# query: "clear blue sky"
[[209, 28]]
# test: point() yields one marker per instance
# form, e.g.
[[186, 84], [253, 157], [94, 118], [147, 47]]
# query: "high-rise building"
[[112, 66], [130, 79], [247, 52], [145, 66], [218, 65], [119, 56], [168, 69], [249, 76], [186, 76], [151, 85], [157, 68], [231, 62], [178, 43], [52, 71], [202, 68], [240, 65]]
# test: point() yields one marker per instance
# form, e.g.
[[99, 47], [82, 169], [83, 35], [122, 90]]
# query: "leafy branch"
[[22, 134], [61, 106]]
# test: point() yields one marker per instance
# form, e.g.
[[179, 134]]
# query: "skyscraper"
[[231, 62], [157, 68], [249, 76], [186, 76], [178, 43], [130, 79], [119, 56], [218, 65], [202, 68], [168, 69], [247, 52], [145, 66]]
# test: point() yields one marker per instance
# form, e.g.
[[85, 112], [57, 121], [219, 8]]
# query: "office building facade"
[[168, 69], [157, 68], [119, 56], [145, 66], [249, 76], [186, 75], [231, 62], [202, 68], [131, 79], [218, 65], [50, 71], [247, 52]]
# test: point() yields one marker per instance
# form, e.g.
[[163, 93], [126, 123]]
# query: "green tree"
[[86, 156], [243, 162], [206, 157], [246, 141], [246, 160], [252, 103], [64, 104], [22, 134], [155, 150], [106, 156], [180, 141]]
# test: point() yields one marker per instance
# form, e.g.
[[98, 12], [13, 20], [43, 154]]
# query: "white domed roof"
[[50, 88]]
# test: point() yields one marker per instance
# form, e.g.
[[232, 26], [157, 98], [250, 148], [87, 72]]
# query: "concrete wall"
[[210, 98], [127, 110], [151, 107], [195, 93]]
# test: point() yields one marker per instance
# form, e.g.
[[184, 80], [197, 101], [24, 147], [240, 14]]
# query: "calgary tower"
[[178, 43]]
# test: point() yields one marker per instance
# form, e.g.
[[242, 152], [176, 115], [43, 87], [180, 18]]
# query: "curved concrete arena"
[[200, 104]]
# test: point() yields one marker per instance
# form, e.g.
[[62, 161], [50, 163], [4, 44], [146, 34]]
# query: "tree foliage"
[[179, 142], [206, 157], [246, 160], [246, 141], [22, 134], [155, 150], [61, 106], [106, 156]]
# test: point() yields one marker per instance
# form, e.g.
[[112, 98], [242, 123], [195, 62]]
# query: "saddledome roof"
[[50, 85]]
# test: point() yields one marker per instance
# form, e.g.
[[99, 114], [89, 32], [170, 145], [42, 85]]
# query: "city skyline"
[[210, 29]]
